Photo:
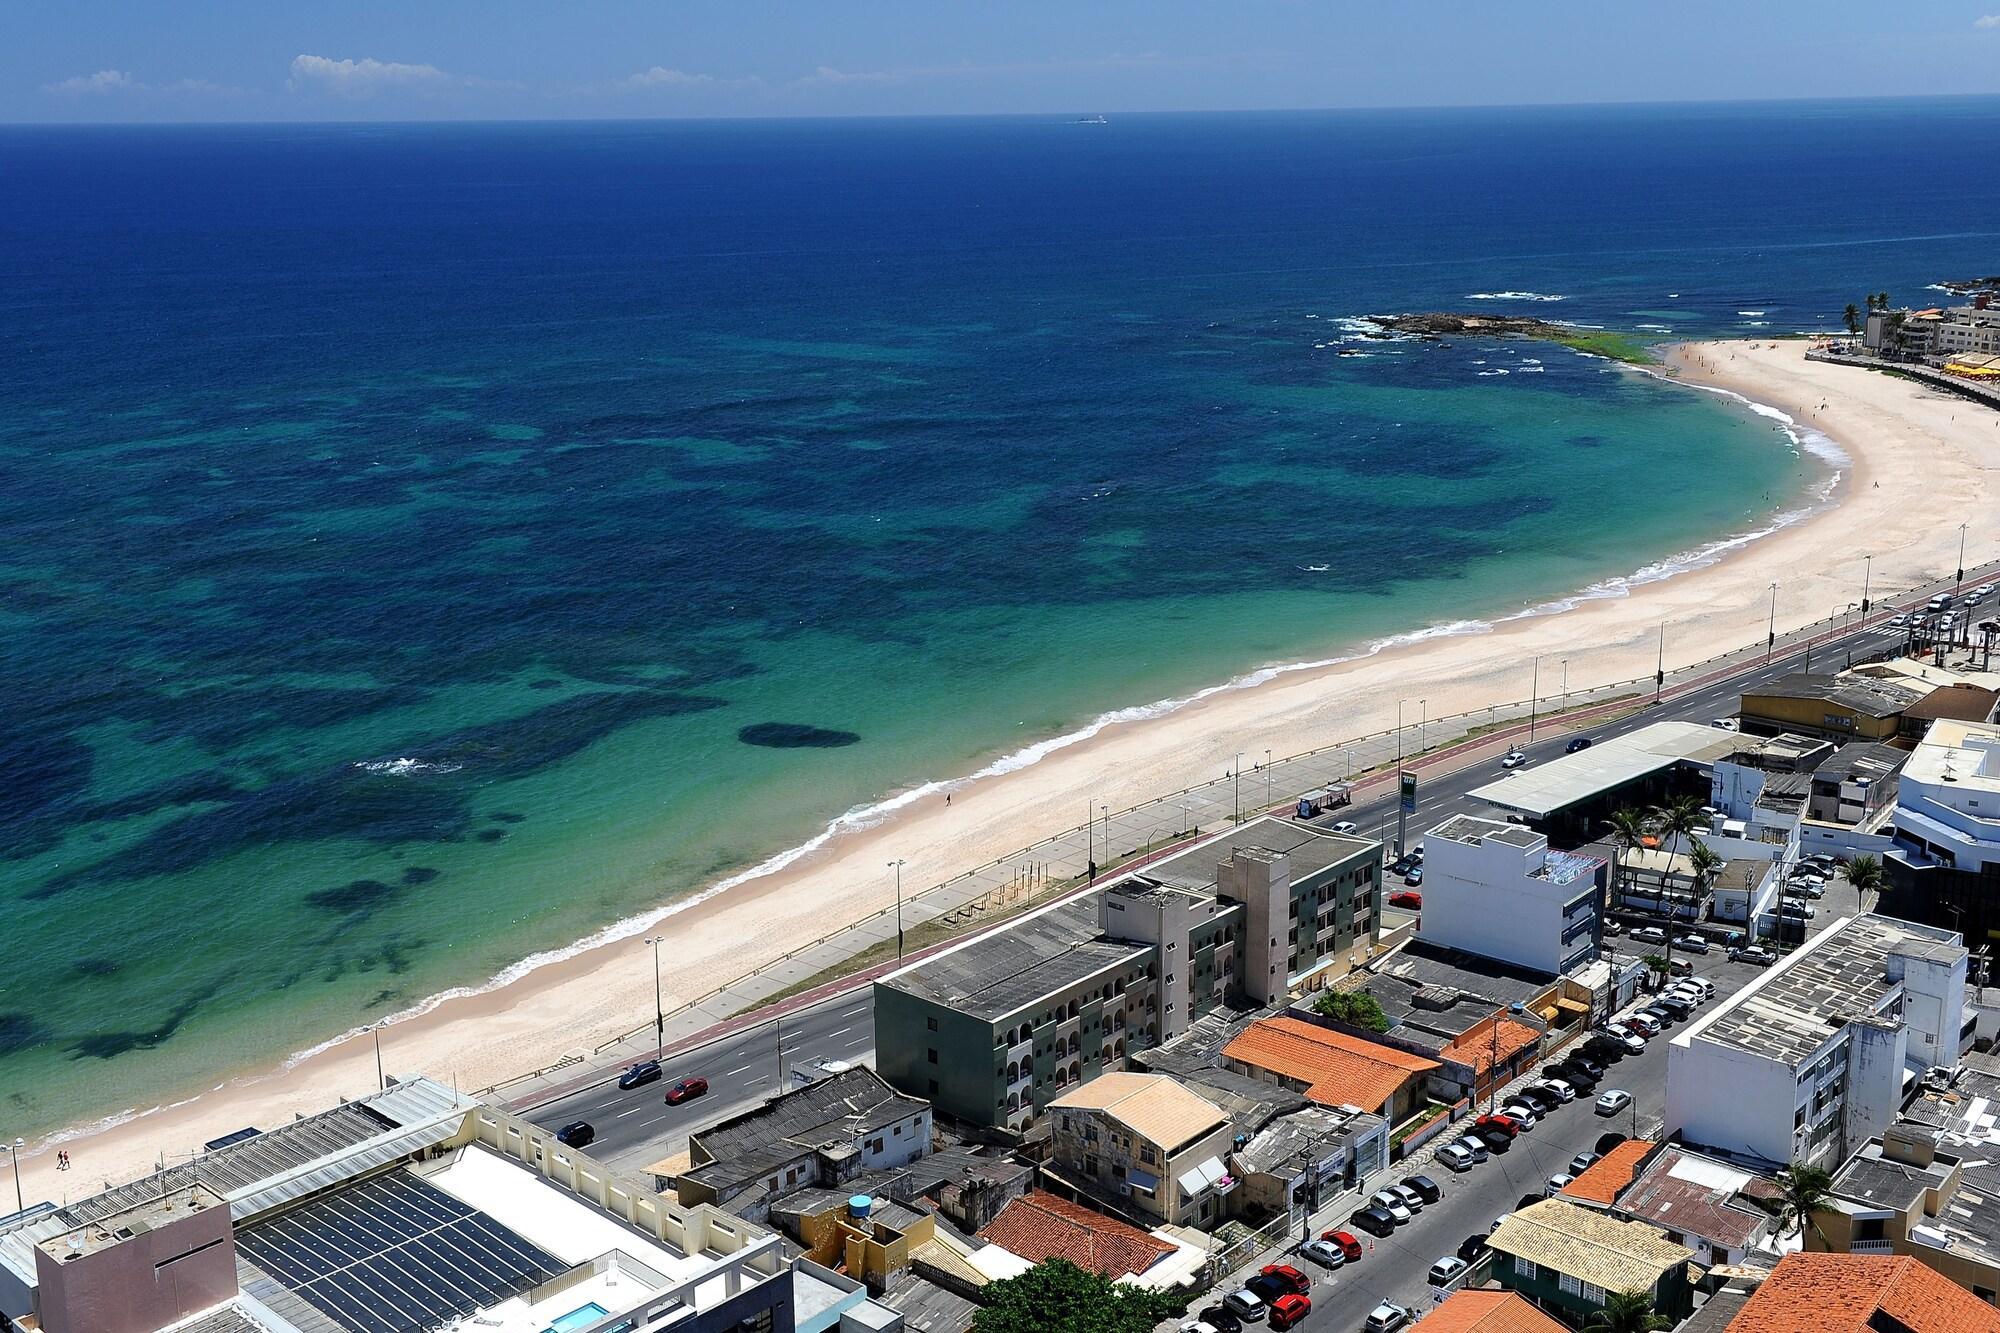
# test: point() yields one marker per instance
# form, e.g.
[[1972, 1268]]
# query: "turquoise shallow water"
[[426, 546]]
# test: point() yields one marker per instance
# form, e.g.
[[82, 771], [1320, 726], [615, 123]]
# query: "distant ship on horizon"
[[1090, 120]]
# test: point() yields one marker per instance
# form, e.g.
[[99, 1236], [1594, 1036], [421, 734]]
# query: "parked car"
[[1404, 898], [1580, 743], [1612, 1102], [1289, 1309], [1456, 1158], [1347, 826], [1580, 1079], [1505, 1124], [1444, 1270], [1604, 1050], [1703, 985], [1797, 911], [1293, 1279], [1476, 1147], [1555, 1184], [1642, 1023], [1543, 1100], [1522, 1113], [1199, 1326], [687, 1090], [1632, 1041], [1415, 877], [1612, 930], [1426, 1188], [1649, 935], [1754, 954], [1726, 723], [1245, 1304], [1582, 1162], [1324, 1253], [1411, 1199], [1471, 1248], [1349, 1245], [1607, 1141], [1402, 864], [1222, 1319], [1561, 1089], [1811, 890], [1375, 1221], [646, 1071], [1391, 1203], [1268, 1288], [1584, 1062], [1386, 1318], [1680, 1006], [1692, 943], [577, 1134]]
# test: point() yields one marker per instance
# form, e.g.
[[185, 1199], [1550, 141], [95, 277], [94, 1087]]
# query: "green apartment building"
[[1567, 1259], [995, 1029]]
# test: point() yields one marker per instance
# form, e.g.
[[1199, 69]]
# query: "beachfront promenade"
[[1049, 869]]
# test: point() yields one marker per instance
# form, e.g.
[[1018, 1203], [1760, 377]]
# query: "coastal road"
[[636, 1127], [1394, 1268]]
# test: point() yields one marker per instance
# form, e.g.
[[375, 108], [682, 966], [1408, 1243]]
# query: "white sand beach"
[[1922, 463]]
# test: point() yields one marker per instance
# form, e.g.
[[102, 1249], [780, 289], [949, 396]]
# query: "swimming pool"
[[581, 1317]]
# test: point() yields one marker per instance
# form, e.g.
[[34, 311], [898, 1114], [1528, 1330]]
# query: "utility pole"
[[1867, 573], [1660, 668], [1267, 779], [1958, 580], [1534, 698], [1239, 801], [897, 866], [1423, 723], [1771, 634], [659, 1001], [1090, 840], [381, 1080]]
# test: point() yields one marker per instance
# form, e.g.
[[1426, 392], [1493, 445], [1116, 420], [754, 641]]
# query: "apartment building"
[[993, 1030], [1147, 1144], [1497, 890], [1814, 1052], [1944, 864]]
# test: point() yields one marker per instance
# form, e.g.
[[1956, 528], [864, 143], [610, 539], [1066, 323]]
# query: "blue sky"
[[140, 60]]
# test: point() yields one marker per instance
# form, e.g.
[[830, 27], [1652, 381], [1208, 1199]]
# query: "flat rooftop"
[[1308, 848], [1538, 792], [1964, 754], [1042, 954], [842, 1109], [1472, 830], [1862, 695], [1839, 975]]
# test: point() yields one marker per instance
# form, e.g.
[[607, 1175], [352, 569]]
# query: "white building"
[[1968, 329], [1811, 1059], [1496, 890], [1948, 806]]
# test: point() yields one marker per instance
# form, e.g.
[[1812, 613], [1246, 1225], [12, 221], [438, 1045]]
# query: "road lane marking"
[[634, 1111], [841, 1032], [739, 1069]]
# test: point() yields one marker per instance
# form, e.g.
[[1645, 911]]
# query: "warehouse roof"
[[1606, 766]]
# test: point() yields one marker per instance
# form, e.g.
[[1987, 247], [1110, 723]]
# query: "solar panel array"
[[394, 1255]]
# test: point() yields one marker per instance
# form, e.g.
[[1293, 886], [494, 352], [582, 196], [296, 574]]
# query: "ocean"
[[425, 545]]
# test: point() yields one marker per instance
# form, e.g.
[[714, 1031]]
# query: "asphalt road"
[[1395, 1268], [635, 1128]]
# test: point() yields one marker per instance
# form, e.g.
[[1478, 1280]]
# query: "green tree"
[[1628, 834], [1864, 872], [1802, 1191], [1356, 1008], [1056, 1296], [1852, 317], [1706, 861], [1627, 1312]]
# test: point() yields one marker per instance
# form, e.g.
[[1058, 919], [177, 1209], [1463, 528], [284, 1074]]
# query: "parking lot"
[[1395, 1268]]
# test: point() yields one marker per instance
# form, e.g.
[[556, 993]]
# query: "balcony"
[[1871, 1247]]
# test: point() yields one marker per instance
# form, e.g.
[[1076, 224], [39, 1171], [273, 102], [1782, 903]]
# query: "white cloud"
[[1988, 21], [660, 76], [91, 85], [363, 78]]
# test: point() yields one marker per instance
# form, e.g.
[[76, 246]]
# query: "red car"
[[1406, 898], [1289, 1310], [1290, 1276], [686, 1090], [1506, 1124], [1349, 1246]]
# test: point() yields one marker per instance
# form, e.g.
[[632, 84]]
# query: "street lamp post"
[[659, 1000], [1565, 682], [1239, 798], [1184, 821], [1771, 633], [1267, 779], [1660, 667], [1105, 810], [15, 1148], [897, 866], [381, 1079], [1958, 580], [1867, 574], [1534, 698], [1423, 724], [1090, 842]]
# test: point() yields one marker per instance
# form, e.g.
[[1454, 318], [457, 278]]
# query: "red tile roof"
[[1607, 1177], [1336, 1068], [1487, 1312], [1475, 1047], [1843, 1293], [1039, 1226]]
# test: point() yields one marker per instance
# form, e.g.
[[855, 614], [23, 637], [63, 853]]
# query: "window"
[[930, 1055], [930, 1025], [875, 1145], [1525, 1267], [933, 1087], [1147, 1155], [898, 1131]]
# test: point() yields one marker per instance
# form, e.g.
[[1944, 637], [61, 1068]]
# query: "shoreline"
[[1711, 598]]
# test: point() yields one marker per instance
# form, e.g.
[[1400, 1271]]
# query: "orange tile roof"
[[1475, 1047], [1335, 1067], [1842, 1293], [1039, 1226], [1610, 1175], [1488, 1312]]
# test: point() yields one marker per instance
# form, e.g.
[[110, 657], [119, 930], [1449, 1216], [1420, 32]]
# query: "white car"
[[1245, 1304], [1513, 759], [1324, 1253], [1347, 826], [1456, 1158], [1726, 723], [1386, 1318], [1522, 1112], [1612, 1102], [1626, 1037], [1393, 1204], [1649, 935], [1898, 621], [1558, 1089], [1643, 1024], [1692, 943], [1555, 1184]]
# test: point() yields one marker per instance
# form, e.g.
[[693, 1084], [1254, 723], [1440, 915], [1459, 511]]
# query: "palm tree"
[[1627, 1312], [1628, 834], [1706, 861], [1864, 872], [1802, 1191], [1852, 316]]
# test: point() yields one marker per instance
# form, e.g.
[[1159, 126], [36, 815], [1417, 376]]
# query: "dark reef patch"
[[491, 834], [795, 736], [506, 817], [360, 895], [420, 874], [20, 1031], [95, 967]]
